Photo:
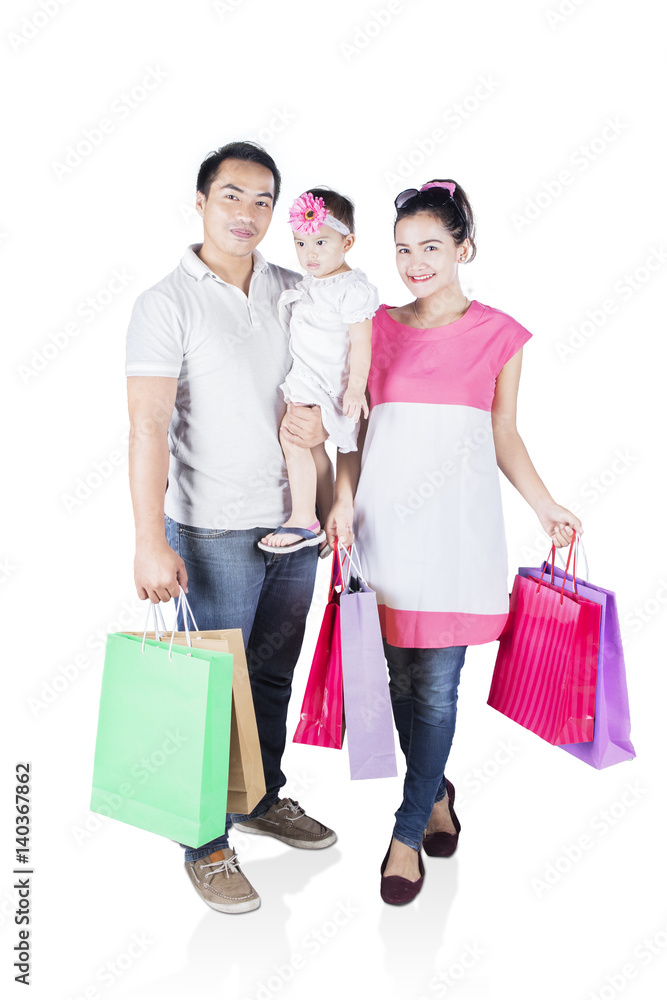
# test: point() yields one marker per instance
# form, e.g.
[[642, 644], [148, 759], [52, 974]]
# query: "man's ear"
[[200, 201]]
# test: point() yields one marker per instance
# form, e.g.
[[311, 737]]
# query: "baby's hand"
[[354, 404]]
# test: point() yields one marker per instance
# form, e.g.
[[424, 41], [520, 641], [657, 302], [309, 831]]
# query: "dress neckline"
[[333, 278], [470, 318]]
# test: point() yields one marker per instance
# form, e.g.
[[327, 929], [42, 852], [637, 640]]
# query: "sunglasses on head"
[[435, 194], [438, 188]]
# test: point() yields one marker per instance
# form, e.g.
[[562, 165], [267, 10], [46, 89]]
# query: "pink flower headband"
[[308, 214]]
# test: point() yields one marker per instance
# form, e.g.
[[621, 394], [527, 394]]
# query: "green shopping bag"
[[162, 750]]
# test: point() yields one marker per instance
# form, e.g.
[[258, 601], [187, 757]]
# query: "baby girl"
[[328, 316]]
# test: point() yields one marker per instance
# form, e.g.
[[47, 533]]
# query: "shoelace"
[[293, 807], [223, 867]]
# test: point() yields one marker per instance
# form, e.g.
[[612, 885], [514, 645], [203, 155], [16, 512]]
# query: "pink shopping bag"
[[546, 669], [321, 721]]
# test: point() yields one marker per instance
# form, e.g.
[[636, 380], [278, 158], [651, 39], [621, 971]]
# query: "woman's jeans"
[[423, 684], [233, 584]]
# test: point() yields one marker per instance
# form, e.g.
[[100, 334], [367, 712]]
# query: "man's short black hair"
[[249, 151]]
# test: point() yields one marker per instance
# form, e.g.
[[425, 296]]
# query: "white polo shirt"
[[230, 355]]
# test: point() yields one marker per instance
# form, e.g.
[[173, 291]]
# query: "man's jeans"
[[423, 684], [233, 584]]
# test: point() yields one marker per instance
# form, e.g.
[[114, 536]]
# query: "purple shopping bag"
[[368, 716], [611, 738]]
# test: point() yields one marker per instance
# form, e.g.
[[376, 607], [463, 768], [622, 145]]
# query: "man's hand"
[[159, 573], [302, 425]]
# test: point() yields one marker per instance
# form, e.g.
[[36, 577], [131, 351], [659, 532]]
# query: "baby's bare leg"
[[302, 475], [325, 481]]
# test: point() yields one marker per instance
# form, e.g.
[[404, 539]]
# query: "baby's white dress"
[[316, 314]]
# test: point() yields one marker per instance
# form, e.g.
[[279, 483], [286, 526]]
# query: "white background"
[[340, 100]]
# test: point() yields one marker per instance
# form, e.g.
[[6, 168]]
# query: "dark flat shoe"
[[443, 845], [397, 890]]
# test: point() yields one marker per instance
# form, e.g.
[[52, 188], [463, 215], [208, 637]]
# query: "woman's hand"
[[558, 523], [339, 523]]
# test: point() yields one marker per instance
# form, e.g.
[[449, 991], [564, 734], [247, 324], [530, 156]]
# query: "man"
[[205, 357]]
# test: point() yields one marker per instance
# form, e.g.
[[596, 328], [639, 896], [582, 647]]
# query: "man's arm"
[[159, 572]]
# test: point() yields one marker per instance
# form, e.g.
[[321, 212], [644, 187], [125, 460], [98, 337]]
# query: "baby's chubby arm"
[[354, 400]]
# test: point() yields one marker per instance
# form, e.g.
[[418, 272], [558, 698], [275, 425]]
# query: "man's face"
[[239, 206]]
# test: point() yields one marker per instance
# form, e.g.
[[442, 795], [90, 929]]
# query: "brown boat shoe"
[[219, 881], [288, 822]]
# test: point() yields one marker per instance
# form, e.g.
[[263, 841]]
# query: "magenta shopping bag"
[[368, 716], [321, 722], [611, 738], [545, 672]]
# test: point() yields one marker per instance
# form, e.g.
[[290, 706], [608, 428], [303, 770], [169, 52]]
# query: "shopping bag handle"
[[156, 611], [187, 610], [353, 564], [552, 557], [336, 571], [578, 547]]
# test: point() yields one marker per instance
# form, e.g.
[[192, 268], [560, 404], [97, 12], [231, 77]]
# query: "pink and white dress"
[[428, 514]]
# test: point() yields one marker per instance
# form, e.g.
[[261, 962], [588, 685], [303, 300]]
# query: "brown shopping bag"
[[246, 773]]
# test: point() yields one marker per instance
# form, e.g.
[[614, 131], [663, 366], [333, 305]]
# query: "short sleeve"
[[513, 339], [360, 301], [154, 343]]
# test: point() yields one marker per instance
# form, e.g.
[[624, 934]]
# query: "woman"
[[425, 497]]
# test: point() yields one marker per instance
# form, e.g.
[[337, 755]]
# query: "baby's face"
[[320, 253]]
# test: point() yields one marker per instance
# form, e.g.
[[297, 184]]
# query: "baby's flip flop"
[[308, 536]]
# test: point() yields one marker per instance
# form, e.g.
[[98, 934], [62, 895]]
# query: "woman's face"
[[426, 255]]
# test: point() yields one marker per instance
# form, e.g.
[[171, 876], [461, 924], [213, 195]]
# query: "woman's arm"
[[348, 467], [514, 461]]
